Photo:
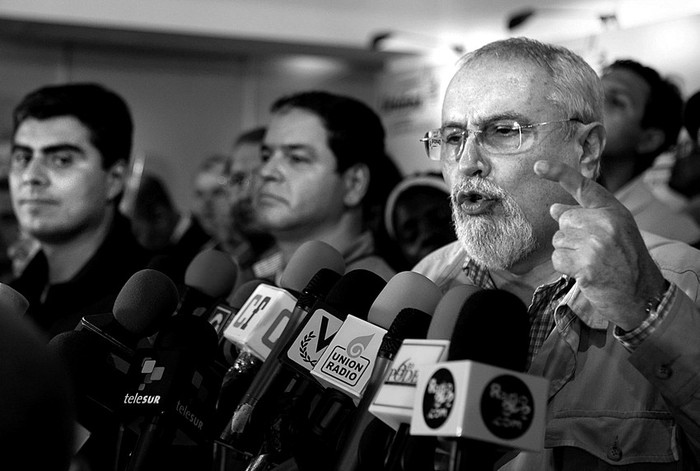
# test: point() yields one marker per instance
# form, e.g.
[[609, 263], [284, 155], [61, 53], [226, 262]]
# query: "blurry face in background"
[[244, 164], [210, 202], [423, 223], [154, 231], [626, 95]]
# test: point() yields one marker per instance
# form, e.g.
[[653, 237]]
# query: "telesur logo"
[[152, 373]]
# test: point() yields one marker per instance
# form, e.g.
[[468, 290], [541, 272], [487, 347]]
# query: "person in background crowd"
[[246, 241], [9, 233], [70, 147], [325, 176], [613, 312], [210, 197], [643, 116], [417, 218], [174, 238], [683, 180]]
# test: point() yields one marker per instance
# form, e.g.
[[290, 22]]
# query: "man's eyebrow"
[[290, 147], [62, 148], [505, 115], [51, 149], [16, 147]]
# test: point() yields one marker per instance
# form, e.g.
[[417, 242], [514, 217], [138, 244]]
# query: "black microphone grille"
[[492, 328], [355, 292], [145, 300]]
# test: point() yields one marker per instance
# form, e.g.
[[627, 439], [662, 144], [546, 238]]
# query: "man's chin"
[[492, 249]]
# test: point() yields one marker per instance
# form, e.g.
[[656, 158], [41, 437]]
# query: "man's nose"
[[35, 172], [472, 162], [271, 168]]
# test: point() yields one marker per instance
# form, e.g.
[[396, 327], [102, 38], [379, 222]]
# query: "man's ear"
[[650, 141], [116, 175], [355, 183], [592, 141]]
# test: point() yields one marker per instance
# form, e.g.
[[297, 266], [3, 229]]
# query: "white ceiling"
[[345, 25]]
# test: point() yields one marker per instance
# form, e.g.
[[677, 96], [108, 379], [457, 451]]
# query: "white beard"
[[495, 241]]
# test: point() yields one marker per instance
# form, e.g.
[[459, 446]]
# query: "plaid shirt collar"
[[478, 275], [574, 300]]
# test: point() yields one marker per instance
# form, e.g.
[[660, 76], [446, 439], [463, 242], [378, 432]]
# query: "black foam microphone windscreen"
[[12, 303], [492, 328], [144, 302], [210, 275], [37, 416]]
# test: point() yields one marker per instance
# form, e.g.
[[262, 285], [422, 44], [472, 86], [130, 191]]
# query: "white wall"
[[671, 47]]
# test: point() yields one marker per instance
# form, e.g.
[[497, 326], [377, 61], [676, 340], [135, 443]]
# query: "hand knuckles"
[[567, 218], [558, 238]]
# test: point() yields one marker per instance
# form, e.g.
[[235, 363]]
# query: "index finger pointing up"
[[585, 191]]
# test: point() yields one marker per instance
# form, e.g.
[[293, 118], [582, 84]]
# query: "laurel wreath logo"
[[304, 352]]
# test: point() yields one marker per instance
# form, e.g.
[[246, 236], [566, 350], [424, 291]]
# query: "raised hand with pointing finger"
[[599, 245]]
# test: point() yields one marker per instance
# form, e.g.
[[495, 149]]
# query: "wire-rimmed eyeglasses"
[[500, 137]]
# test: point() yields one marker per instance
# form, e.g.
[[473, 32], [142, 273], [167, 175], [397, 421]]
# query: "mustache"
[[481, 186]]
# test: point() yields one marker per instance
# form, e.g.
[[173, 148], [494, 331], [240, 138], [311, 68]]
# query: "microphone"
[[145, 301], [210, 275], [393, 402], [99, 352], [412, 321], [311, 272], [37, 415], [105, 343], [173, 388], [244, 364], [479, 396], [255, 326], [223, 313], [12, 302], [395, 298], [367, 437], [354, 294], [304, 398], [347, 365]]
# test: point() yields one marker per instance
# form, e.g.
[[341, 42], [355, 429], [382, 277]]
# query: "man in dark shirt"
[[70, 149]]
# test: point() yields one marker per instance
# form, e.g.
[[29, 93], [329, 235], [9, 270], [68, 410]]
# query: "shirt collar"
[[574, 299], [360, 247]]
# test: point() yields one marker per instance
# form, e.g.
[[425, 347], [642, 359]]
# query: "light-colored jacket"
[[609, 407]]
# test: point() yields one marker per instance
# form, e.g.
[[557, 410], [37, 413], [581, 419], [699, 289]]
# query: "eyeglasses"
[[500, 137]]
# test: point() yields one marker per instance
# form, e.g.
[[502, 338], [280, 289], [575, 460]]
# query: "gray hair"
[[576, 88]]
